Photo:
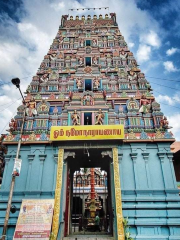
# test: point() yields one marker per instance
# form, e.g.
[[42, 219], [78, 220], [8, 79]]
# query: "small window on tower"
[[88, 43], [88, 61], [88, 85], [87, 118]]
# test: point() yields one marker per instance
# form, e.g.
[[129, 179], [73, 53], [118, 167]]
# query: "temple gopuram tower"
[[89, 106]]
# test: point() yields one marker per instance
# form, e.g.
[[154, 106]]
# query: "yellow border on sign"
[[86, 132]]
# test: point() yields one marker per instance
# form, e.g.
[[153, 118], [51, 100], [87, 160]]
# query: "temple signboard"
[[35, 219], [87, 132]]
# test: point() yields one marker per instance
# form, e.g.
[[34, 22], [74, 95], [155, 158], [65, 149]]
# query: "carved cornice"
[[42, 157], [31, 157], [161, 156], [133, 156], [145, 156]]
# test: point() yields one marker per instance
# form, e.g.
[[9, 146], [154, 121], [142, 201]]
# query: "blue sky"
[[150, 27]]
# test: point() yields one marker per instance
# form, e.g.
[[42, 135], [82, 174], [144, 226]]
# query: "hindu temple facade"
[[89, 78]]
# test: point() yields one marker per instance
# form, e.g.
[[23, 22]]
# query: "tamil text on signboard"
[[88, 132]]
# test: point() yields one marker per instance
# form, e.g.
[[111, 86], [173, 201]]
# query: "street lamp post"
[[16, 82]]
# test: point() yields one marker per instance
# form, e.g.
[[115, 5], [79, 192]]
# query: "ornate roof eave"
[[124, 140]]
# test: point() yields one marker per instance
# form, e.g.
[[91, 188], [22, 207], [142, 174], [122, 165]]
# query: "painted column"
[[117, 185], [7, 159], [161, 156], [106, 118], [28, 180], [134, 157], [120, 156], [55, 170], [146, 157], [42, 159], [69, 119], [55, 224], [93, 118], [170, 157]]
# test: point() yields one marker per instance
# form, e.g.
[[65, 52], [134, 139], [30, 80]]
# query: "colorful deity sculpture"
[[123, 56], [44, 78], [95, 60], [31, 108], [75, 118], [88, 100], [164, 123], [81, 61], [12, 125], [145, 105], [96, 83], [132, 76], [99, 118], [79, 83]]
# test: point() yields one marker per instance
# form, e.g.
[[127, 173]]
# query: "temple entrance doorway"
[[89, 208]]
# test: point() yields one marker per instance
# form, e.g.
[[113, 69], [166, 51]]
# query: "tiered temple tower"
[[90, 77]]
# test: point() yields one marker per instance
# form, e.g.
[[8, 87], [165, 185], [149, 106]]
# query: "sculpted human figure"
[[81, 43], [75, 118], [164, 123], [132, 76], [99, 118], [95, 60], [53, 56], [145, 105], [123, 56], [81, 61], [79, 83], [31, 108], [44, 78], [13, 125], [96, 83], [94, 42], [88, 100]]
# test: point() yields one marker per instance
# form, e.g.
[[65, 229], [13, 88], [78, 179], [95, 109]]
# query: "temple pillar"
[[7, 159], [28, 180], [42, 159], [146, 157], [69, 119], [55, 170], [170, 157], [161, 156], [134, 157]]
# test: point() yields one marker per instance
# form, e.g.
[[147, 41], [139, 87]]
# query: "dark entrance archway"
[[78, 216]]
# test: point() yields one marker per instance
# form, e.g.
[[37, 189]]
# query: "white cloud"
[[171, 100], [174, 121], [165, 98], [169, 66], [143, 53], [151, 39], [131, 45], [172, 51]]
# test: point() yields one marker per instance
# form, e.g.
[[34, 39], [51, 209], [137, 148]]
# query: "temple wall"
[[149, 193], [150, 197]]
